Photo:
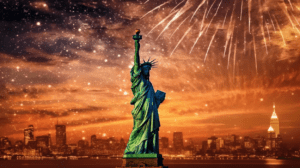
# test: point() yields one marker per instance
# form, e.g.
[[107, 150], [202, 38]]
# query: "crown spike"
[[151, 63], [153, 60]]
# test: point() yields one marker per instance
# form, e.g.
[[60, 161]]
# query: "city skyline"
[[61, 133], [239, 146], [70, 62], [177, 138]]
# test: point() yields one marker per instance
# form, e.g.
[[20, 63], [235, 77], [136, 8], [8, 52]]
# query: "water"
[[112, 163]]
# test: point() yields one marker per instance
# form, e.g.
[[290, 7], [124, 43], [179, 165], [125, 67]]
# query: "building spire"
[[274, 115]]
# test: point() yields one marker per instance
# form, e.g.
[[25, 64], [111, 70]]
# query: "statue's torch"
[[137, 36]]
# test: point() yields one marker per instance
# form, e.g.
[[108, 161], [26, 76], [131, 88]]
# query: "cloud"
[[70, 60]]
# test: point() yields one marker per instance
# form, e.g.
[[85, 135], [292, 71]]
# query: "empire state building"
[[275, 122]]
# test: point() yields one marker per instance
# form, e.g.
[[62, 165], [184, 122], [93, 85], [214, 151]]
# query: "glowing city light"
[[270, 129], [274, 115]]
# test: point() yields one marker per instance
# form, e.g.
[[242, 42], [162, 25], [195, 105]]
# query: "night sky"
[[68, 61]]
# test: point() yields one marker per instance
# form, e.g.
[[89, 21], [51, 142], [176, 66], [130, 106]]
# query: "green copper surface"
[[141, 156], [144, 136]]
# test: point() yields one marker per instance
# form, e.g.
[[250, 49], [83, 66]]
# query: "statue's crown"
[[152, 63]]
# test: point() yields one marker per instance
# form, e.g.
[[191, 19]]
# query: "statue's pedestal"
[[142, 160]]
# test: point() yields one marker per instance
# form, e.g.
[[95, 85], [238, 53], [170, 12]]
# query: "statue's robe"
[[144, 136]]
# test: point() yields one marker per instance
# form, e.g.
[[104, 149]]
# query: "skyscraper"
[[43, 141], [164, 142], [163, 145], [211, 142], [61, 136], [93, 140], [83, 144], [178, 142], [274, 123], [28, 134], [271, 138]]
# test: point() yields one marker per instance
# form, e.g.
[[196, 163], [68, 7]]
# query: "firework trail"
[[254, 48], [213, 16], [162, 21], [182, 38], [291, 4], [198, 8], [229, 52], [259, 20], [203, 19], [249, 14], [261, 26], [212, 39], [267, 26], [200, 33], [241, 16], [177, 6], [185, 8], [280, 30], [245, 42], [225, 19], [234, 57], [229, 31], [272, 21], [210, 8], [179, 26], [295, 19], [155, 8], [288, 16]]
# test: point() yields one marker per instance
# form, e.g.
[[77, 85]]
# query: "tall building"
[[271, 142], [28, 134], [61, 137], [4, 143], [248, 142], [163, 145], [219, 143], [83, 144], [93, 140], [178, 142], [275, 122], [204, 146], [164, 142], [211, 142], [43, 141]]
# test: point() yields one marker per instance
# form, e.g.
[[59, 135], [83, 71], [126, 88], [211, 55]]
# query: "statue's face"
[[146, 69]]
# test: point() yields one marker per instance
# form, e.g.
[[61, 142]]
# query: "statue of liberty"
[[144, 136]]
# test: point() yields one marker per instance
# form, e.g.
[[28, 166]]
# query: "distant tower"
[[93, 140], [271, 132], [61, 136], [178, 142], [271, 142], [28, 134], [275, 122]]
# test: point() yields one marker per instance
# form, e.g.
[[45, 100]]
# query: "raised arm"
[[136, 55], [137, 37]]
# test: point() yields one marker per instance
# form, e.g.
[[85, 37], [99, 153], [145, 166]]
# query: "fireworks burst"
[[235, 18]]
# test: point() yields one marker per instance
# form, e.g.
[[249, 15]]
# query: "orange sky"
[[70, 63]]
